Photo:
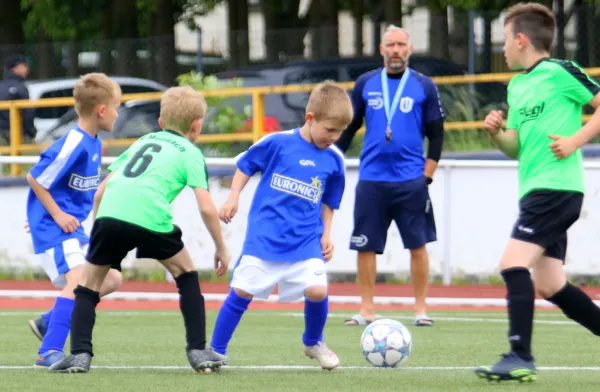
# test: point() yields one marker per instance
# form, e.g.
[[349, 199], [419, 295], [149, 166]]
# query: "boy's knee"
[[113, 282], [179, 264], [242, 293], [547, 289], [316, 293]]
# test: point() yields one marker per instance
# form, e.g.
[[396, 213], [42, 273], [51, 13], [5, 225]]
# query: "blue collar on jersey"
[[297, 132]]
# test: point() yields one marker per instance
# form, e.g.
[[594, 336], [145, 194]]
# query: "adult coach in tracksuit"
[[12, 88], [401, 107]]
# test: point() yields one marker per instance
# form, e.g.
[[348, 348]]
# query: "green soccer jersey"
[[547, 99], [148, 176]]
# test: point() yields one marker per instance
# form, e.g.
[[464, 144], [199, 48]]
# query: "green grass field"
[[144, 351]]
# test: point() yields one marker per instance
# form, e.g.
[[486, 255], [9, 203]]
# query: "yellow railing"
[[257, 93]]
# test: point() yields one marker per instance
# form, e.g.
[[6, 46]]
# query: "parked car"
[[46, 118], [136, 119], [289, 108]]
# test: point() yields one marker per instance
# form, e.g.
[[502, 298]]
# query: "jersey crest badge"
[[406, 104]]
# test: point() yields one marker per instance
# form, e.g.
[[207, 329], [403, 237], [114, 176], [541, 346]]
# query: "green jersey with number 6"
[[547, 99], [148, 176]]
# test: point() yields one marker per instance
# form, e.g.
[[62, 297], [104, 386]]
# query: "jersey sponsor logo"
[[359, 240], [531, 113], [406, 104], [81, 183], [307, 162], [376, 102], [311, 192]]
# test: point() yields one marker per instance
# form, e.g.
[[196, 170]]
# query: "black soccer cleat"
[[75, 363], [510, 367]]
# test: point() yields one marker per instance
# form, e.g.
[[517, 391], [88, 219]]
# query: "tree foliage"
[[63, 20]]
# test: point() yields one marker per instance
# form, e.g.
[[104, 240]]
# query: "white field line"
[[313, 368], [334, 299], [151, 313]]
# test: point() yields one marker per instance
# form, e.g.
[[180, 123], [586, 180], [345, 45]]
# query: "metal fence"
[[464, 125]]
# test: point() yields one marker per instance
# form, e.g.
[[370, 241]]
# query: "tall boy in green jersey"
[[132, 210], [545, 104]]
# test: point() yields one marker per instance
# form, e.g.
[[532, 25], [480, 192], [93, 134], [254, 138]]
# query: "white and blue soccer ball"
[[386, 343]]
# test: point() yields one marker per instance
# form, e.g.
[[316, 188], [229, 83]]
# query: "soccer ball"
[[386, 343]]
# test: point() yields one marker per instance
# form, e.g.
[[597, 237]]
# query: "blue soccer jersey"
[[402, 157], [284, 223], [70, 170]]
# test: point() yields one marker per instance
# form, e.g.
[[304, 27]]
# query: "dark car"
[[136, 118], [463, 102], [140, 117]]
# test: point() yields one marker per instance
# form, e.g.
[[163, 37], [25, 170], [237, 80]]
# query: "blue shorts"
[[378, 203]]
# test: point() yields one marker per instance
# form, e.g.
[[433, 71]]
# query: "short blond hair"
[[94, 89], [329, 101], [180, 107]]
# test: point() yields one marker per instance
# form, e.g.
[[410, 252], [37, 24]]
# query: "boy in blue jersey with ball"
[[288, 235], [63, 184]]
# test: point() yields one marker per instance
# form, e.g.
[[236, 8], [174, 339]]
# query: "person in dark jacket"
[[13, 87]]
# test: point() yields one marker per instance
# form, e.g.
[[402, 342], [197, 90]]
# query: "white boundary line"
[[313, 368], [335, 299], [152, 313]]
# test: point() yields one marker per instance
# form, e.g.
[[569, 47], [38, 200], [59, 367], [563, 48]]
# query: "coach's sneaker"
[[74, 363], [39, 326], [49, 358], [327, 358], [510, 367], [206, 360]]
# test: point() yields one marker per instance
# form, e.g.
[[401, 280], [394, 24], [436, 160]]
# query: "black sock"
[[191, 303], [578, 306], [83, 319], [520, 296]]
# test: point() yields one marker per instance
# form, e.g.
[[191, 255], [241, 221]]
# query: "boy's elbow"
[[97, 198], [30, 180]]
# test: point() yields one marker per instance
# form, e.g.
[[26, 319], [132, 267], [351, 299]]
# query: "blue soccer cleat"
[[39, 326], [49, 358]]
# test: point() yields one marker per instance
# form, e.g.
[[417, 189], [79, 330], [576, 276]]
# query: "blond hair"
[[329, 101], [180, 107], [94, 89], [534, 20]]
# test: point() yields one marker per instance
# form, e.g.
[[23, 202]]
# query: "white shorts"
[[61, 259], [259, 277]]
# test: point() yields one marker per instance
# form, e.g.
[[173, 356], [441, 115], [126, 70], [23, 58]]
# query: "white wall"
[[475, 207]]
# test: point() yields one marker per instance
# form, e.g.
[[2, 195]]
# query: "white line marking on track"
[[314, 368]]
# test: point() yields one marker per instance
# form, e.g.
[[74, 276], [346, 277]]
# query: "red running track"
[[338, 289], [385, 290]]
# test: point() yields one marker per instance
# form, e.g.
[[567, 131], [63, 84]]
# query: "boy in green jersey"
[[545, 104], [132, 210]]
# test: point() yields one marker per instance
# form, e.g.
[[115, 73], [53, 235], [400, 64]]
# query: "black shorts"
[[544, 218], [111, 240], [377, 204]]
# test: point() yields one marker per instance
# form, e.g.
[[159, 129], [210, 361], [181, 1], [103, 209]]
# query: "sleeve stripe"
[[341, 156], [581, 76], [262, 139], [49, 174]]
